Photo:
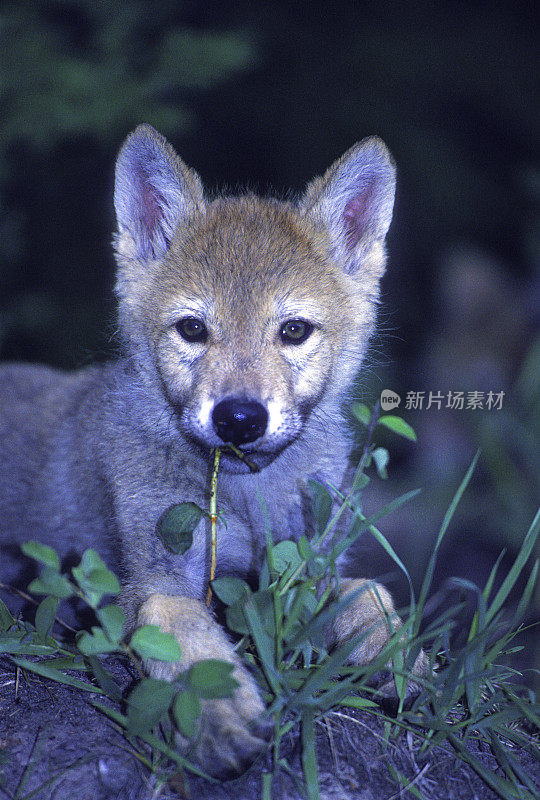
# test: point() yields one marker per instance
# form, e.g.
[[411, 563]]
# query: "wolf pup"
[[245, 321]]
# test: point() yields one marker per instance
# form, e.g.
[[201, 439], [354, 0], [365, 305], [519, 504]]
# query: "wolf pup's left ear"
[[154, 192], [354, 202]]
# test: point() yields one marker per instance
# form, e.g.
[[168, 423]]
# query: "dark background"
[[266, 96]]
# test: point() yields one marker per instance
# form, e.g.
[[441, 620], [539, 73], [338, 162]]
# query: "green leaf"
[[236, 619], [6, 619], [361, 412], [385, 544], [113, 620], [361, 523], [230, 590], [91, 560], [111, 688], [45, 614], [360, 483], [187, 710], [43, 553], [358, 702], [147, 703], [104, 581], [286, 555], [12, 643], [51, 582], [489, 585], [175, 527], [73, 661], [403, 781], [212, 678], [94, 578], [94, 643], [258, 610], [397, 425], [263, 601], [150, 642], [381, 457], [300, 602], [500, 785], [266, 789], [321, 504], [305, 549], [319, 679]]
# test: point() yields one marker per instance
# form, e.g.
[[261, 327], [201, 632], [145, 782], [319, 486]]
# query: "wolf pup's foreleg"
[[233, 730]]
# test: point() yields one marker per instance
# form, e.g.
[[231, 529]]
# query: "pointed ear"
[[154, 192], [354, 201]]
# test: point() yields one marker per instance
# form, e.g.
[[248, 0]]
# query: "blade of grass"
[[323, 674], [526, 597], [266, 793], [487, 590], [385, 544], [309, 756], [426, 583], [42, 668], [502, 786], [264, 644], [527, 711], [510, 764], [517, 568], [341, 544]]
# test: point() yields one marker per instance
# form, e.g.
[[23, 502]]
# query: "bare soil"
[[54, 745]]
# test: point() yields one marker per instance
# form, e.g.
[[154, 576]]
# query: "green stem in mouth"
[[213, 522], [213, 510], [253, 467]]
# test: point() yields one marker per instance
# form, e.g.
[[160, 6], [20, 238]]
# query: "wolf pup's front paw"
[[232, 730], [367, 617]]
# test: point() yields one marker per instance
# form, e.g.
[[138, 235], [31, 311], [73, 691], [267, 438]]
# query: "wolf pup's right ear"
[[354, 200], [154, 192]]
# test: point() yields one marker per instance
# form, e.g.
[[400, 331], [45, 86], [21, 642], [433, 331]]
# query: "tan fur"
[[239, 719], [367, 617], [372, 618]]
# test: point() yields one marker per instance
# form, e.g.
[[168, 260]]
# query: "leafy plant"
[[151, 702]]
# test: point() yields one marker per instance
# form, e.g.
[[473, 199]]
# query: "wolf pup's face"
[[255, 314]]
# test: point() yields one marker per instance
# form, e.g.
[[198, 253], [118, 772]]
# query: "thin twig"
[[30, 599], [370, 428], [213, 523], [253, 467]]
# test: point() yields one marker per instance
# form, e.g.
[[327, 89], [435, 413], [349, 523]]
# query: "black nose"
[[238, 420]]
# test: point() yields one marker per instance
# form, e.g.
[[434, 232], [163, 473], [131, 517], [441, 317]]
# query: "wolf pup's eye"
[[192, 329], [295, 331]]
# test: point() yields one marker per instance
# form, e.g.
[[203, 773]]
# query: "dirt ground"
[[54, 745]]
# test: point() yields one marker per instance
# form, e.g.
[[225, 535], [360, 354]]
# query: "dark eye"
[[192, 329], [295, 331]]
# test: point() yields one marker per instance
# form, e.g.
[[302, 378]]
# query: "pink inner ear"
[[151, 205], [357, 214]]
